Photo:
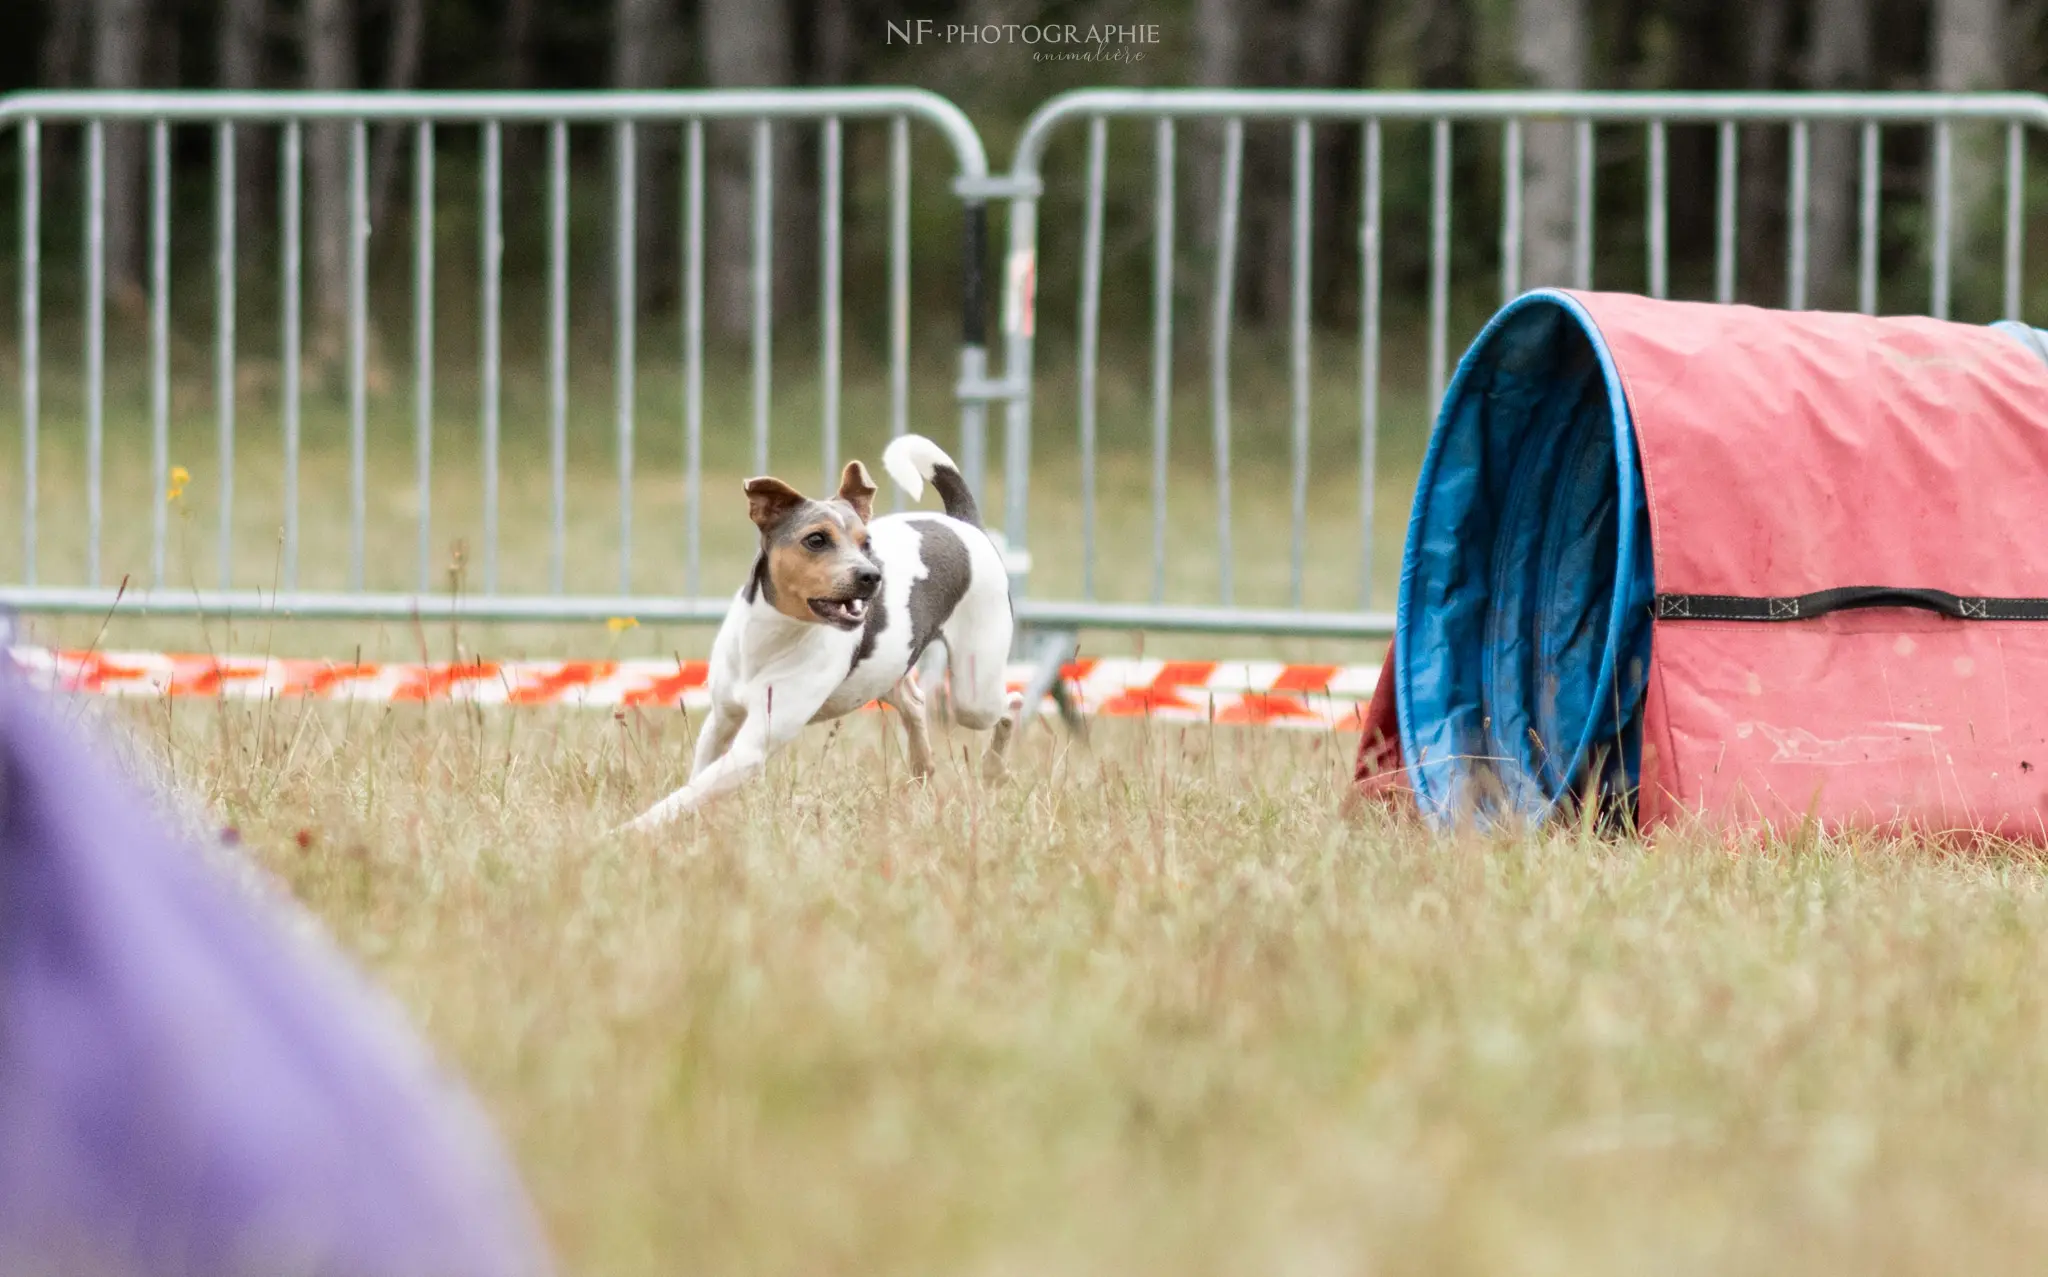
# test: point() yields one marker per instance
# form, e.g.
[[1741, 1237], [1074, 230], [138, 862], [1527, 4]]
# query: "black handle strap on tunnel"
[[1805, 607]]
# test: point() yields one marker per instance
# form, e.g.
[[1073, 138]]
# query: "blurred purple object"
[[188, 1088]]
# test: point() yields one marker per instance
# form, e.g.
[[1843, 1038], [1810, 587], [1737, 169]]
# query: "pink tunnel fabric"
[[1784, 454]]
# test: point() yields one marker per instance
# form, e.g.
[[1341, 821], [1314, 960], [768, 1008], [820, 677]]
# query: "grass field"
[[1158, 1006]]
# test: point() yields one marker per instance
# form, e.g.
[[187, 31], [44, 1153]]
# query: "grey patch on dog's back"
[[947, 572], [933, 597]]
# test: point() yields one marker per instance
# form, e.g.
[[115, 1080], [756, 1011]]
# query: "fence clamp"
[[983, 390], [998, 186]]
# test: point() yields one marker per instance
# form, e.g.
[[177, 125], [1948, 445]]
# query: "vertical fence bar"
[[1582, 204], [829, 269], [693, 350], [558, 355], [31, 335], [1368, 355], [625, 233], [973, 364], [899, 287], [423, 343], [493, 255], [2015, 213], [289, 321], [1725, 191], [159, 344], [1017, 326], [224, 348], [358, 347], [1162, 340], [1510, 211], [1439, 257], [1219, 341], [95, 336], [1660, 252], [1299, 338], [1944, 216], [1796, 217], [1866, 248], [1090, 324], [764, 278]]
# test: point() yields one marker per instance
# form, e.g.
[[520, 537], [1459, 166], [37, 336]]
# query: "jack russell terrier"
[[838, 610]]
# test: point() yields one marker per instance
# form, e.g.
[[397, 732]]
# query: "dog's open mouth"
[[844, 613]]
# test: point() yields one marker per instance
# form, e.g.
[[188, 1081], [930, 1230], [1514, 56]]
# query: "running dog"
[[838, 610]]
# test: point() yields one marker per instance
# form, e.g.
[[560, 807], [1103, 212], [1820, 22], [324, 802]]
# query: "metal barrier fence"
[[1168, 111], [630, 117]]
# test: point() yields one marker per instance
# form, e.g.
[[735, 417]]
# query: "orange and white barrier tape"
[[1325, 697]]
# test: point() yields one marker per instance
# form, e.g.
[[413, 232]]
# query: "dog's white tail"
[[913, 460]]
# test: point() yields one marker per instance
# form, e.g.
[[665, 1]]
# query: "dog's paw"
[[660, 816]]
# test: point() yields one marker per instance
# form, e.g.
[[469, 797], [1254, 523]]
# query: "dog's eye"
[[818, 541]]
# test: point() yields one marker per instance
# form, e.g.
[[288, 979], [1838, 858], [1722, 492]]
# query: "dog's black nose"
[[867, 579]]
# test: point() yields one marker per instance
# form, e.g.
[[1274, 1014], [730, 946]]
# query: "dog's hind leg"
[[977, 655], [995, 762], [908, 698]]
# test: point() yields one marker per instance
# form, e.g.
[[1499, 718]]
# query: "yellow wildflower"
[[620, 624], [180, 476]]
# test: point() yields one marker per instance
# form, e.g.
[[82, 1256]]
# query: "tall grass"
[[1157, 1007]]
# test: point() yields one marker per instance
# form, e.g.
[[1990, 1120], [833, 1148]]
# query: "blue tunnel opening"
[[1522, 637]]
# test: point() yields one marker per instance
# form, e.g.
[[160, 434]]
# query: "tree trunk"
[[1838, 58], [401, 72], [1220, 63], [1312, 55], [746, 43], [330, 59], [643, 46], [1760, 248], [832, 42], [63, 48], [1336, 53], [516, 53], [242, 24], [1969, 56], [525, 181], [1551, 51], [119, 38], [1443, 43]]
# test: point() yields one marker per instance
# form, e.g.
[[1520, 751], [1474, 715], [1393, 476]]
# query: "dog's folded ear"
[[857, 490], [769, 499]]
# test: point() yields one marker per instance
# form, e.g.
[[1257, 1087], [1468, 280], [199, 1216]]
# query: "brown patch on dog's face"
[[814, 553]]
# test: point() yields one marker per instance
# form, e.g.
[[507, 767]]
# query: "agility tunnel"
[[1698, 561]]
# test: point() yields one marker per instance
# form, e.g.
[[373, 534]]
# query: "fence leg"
[[1055, 649]]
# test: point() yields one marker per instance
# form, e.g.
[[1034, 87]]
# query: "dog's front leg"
[[768, 725], [716, 736], [732, 769]]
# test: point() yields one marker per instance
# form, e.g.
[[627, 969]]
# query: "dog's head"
[[814, 563]]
